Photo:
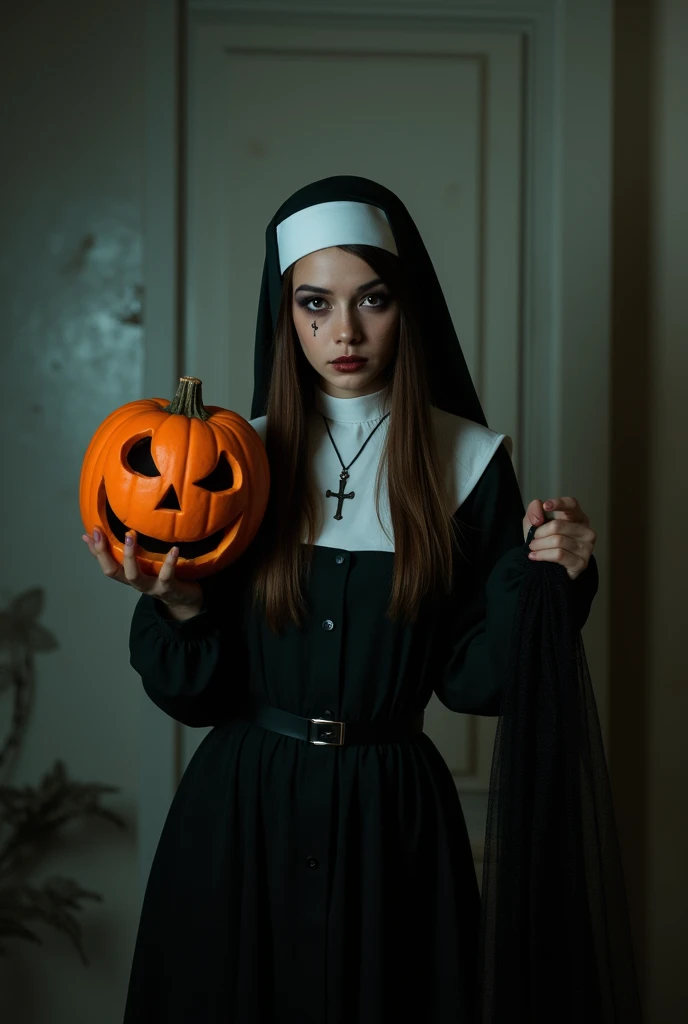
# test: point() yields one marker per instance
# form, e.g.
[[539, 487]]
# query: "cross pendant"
[[340, 495]]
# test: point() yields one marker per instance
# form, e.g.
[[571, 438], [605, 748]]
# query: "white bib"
[[464, 446]]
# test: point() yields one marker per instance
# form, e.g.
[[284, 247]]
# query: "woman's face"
[[354, 315]]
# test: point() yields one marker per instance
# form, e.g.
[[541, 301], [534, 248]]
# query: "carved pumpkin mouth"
[[187, 549]]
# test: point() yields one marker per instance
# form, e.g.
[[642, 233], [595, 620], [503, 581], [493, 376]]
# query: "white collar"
[[353, 410]]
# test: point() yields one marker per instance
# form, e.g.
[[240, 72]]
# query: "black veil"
[[451, 386], [555, 941]]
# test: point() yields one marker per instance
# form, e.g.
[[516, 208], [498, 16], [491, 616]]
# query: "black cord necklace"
[[344, 476]]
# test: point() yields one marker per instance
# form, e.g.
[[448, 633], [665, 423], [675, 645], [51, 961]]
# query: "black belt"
[[328, 732]]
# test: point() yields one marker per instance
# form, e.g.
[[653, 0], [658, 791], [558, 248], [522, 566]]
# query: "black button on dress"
[[304, 884]]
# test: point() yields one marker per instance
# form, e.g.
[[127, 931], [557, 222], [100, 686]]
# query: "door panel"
[[435, 116]]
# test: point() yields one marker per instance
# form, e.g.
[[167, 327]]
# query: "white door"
[[436, 117], [427, 100]]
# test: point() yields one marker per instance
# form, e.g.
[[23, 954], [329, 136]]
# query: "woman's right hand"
[[184, 598]]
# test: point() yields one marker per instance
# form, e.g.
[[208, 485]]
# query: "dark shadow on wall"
[[630, 447]]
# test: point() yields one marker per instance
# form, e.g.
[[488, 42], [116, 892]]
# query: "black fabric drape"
[[555, 940]]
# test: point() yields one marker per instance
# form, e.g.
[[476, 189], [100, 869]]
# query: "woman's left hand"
[[567, 539]]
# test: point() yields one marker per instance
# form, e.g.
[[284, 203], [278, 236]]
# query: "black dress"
[[300, 884]]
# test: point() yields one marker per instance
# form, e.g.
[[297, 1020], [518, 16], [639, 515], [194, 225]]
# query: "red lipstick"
[[348, 364]]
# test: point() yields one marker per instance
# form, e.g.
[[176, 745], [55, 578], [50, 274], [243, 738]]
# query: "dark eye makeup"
[[384, 300]]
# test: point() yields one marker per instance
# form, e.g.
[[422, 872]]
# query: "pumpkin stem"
[[188, 400]]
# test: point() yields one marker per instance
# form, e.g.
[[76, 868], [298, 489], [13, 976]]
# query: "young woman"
[[315, 866]]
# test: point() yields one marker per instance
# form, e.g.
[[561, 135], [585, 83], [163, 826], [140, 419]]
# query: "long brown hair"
[[424, 528]]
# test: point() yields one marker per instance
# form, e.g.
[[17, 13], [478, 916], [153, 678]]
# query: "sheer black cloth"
[[555, 939]]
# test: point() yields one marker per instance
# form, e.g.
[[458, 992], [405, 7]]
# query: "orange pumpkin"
[[180, 474]]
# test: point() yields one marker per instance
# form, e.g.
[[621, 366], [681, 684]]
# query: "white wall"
[[649, 553], [666, 539], [70, 108]]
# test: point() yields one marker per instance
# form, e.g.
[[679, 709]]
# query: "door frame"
[[565, 372]]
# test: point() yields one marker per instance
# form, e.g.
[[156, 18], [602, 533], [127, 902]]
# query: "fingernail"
[[96, 535], [548, 504], [128, 540]]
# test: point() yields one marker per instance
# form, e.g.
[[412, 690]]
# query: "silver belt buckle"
[[332, 736]]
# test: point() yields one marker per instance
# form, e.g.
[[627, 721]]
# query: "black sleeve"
[[194, 670], [483, 606]]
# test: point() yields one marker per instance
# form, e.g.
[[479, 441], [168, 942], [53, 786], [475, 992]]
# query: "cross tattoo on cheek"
[[315, 327]]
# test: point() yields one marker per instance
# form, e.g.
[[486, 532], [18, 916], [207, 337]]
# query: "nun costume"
[[315, 866]]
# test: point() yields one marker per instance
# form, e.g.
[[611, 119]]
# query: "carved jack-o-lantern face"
[[179, 474]]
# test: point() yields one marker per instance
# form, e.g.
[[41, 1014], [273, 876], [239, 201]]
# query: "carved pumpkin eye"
[[219, 479], [139, 458]]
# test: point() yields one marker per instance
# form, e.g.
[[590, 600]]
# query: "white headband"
[[341, 222]]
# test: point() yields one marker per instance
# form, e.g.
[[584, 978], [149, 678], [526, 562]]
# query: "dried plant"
[[21, 636], [31, 816]]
